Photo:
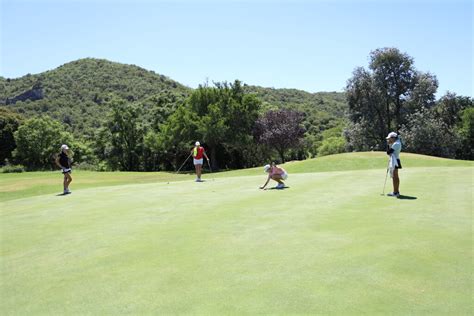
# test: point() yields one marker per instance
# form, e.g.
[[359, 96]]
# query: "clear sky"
[[308, 45]]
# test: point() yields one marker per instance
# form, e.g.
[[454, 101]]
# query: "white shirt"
[[397, 148]]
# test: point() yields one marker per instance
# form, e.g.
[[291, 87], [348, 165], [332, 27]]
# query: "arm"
[[57, 162], [268, 179], [204, 153]]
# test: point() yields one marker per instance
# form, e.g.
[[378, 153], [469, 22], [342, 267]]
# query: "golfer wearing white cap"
[[393, 150], [275, 173], [198, 153], [64, 162]]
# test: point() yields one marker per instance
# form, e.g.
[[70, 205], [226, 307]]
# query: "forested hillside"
[[89, 98], [123, 117], [76, 93]]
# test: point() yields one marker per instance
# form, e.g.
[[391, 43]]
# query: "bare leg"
[[198, 171], [67, 180], [277, 178], [396, 181]]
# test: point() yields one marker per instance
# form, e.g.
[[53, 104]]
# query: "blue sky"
[[308, 45]]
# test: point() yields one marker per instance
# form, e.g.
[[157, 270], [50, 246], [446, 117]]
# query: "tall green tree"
[[38, 140], [222, 117], [466, 131], [382, 98], [126, 135], [450, 108], [428, 135], [9, 123]]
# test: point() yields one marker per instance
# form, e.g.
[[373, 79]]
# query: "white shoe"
[[280, 186], [394, 194]]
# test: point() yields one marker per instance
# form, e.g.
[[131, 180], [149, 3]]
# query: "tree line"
[[147, 136], [392, 95], [242, 126]]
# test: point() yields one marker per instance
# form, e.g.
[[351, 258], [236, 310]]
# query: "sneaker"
[[280, 186], [395, 194], [199, 180], [67, 191]]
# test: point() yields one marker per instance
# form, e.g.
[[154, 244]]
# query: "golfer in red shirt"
[[198, 152]]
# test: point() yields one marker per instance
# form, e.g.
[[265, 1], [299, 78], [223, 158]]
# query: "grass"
[[150, 243], [14, 186]]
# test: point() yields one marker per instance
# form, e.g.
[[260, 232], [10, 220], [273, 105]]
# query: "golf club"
[[386, 175], [184, 163], [210, 169]]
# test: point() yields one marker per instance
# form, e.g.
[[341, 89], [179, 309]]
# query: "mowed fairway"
[[328, 244]]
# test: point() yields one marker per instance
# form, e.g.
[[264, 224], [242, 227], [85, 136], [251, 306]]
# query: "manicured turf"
[[150, 244]]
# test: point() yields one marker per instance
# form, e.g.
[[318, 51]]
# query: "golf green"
[[328, 244]]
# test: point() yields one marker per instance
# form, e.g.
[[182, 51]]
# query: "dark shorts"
[[399, 164]]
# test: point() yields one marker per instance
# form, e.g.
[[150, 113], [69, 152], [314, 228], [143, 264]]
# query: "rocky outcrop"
[[35, 93]]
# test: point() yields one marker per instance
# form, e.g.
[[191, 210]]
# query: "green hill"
[[76, 94], [333, 103]]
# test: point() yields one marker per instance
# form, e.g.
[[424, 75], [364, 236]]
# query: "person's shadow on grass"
[[62, 194], [407, 197], [275, 188]]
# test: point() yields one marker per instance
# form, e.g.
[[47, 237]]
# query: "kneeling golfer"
[[394, 148], [275, 173], [198, 152], [64, 162]]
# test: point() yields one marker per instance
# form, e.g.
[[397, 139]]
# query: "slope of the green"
[[329, 244], [14, 186], [357, 161]]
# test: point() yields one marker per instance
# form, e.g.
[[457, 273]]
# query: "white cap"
[[64, 147], [392, 135], [198, 144], [266, 167]]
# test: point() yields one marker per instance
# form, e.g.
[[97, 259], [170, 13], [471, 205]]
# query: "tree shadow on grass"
[[407, 197]]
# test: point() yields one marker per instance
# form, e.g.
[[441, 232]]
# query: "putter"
[[184, 163], [386, 175], [210, 169]]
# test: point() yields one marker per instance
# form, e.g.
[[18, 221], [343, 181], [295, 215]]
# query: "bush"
[[87, 166], [425, 134], [13, 169], [332, 145]]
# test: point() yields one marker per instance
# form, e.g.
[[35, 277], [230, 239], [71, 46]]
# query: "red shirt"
[[198, 154]]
